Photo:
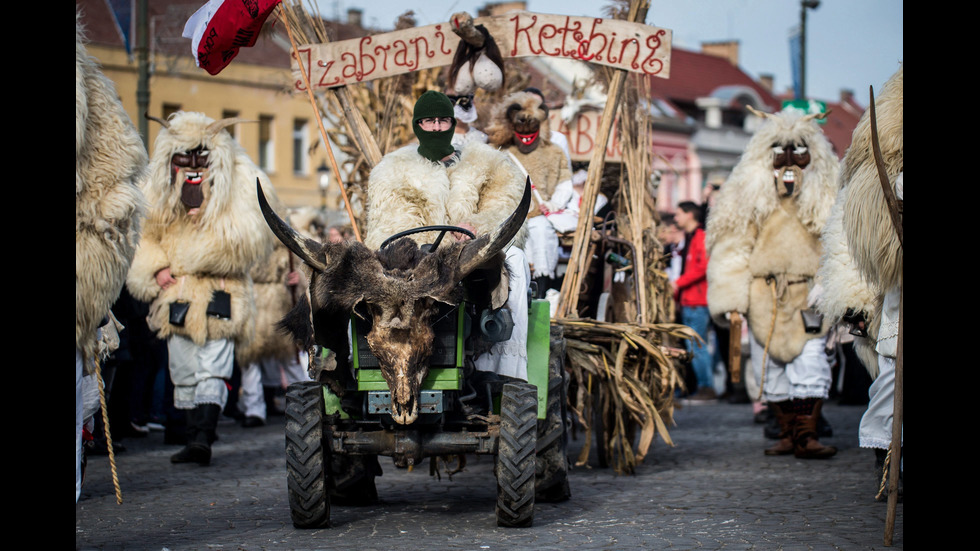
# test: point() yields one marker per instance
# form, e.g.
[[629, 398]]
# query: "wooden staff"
[[895, 464], [323, 132], [735, 347]]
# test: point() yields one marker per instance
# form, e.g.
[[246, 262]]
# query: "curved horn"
[[478, 251], [164, 123], [818, 116], [300, 246], [218, 126], [758, 113]]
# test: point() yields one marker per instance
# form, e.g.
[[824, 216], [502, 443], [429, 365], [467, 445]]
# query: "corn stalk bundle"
[[623, 380]]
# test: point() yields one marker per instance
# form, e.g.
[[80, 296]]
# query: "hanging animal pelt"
[[204, 224], [109, 162], [477, 63]]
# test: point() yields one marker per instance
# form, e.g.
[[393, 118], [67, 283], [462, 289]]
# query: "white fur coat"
[[109, 161], [863, 259], [209, 252], [407, 191], [753, 233]]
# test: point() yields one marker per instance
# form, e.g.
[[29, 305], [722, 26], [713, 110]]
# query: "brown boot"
[[786, 417], [805, 433]]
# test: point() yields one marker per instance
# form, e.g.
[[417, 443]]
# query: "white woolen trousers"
[[199, 372], [807, 376], [510, 357]]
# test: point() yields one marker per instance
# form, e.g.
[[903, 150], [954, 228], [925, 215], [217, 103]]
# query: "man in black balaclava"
[[476, 188], [433, 123]]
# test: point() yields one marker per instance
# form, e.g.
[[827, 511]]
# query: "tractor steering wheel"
[[441, 229]]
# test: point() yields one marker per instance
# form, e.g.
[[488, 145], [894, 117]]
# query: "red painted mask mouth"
[[191, 167], [526, 139]]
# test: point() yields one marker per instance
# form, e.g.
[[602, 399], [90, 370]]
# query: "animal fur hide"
[[862, 258], [210, 251], [871, 237], [546, 164], [273, 300], [407, 191], [109, 162], [753, 233]]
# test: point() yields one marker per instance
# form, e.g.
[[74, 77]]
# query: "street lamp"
[[804, 5], [323, 173]]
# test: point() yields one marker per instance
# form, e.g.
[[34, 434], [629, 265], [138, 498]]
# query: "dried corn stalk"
[[623, 381]]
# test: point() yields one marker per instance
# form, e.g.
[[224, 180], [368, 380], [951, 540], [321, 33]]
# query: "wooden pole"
[[323, 133], [735, 347], [895, 465], [579, 261]]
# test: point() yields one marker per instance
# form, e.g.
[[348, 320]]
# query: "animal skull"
[[399, 286]]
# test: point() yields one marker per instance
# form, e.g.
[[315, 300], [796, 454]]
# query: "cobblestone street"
[[714, 490]]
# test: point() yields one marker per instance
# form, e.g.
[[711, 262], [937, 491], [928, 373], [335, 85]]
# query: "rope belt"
[[776, 295]]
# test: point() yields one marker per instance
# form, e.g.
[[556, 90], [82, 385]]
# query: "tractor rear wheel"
[[515, 467], [309, 503]]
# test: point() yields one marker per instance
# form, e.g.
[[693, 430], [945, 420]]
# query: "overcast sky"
[[851, 43]]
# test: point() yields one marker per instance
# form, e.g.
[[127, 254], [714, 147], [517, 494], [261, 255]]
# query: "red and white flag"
[[222, 27]]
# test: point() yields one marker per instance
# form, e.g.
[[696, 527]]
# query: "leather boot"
[[786, 418], [805, 433], [204, 420], [189, 453]]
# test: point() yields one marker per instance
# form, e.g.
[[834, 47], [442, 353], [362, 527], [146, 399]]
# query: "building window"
[[170, 109], [230, 114], [266, 143], [301, 145]]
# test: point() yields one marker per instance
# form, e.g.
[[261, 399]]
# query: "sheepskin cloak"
[[210, 252], [863, 259], [407, 191], [109, 162], [754, 234], [273, 300]]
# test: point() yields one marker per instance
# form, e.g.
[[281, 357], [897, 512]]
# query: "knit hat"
[[438, 144]]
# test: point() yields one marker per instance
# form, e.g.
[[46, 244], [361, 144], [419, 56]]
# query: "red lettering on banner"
[[363, 56], [615, 43], [403, 52], [609, 56], [383, 50], [442, 40], [582, 125], [636, 55], [575, 33], [326, 70], [349, 70], [588, 42], [547, 32], [527, 32], [583, 47], [428, 53], [656, 65], [305, 51]]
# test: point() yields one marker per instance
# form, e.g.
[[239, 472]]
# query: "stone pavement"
[[714, 490]]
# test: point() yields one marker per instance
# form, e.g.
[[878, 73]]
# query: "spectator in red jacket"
[[691, 293]]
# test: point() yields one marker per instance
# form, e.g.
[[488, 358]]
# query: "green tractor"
[[406, 323], [333, 444]]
